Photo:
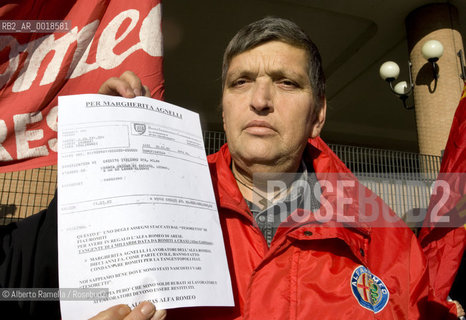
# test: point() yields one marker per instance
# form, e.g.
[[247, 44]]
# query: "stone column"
[[435, 105]]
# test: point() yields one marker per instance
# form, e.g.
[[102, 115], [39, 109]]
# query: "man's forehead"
[[274, 56]]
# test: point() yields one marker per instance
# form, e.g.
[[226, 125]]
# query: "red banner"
[[443, 237], [93, 41]]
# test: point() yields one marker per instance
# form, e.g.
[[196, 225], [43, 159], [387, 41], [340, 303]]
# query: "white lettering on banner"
[[36, 52], [60, 46], [151, 34], [9, 41], [79, 66], [4, 155], [150, 41], [23, 136], [52, 118], [106, 58]]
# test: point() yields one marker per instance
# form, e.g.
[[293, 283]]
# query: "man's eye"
[[288, 83], [238, 82]]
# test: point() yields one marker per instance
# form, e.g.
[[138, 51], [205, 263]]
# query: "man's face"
[[268, 106]]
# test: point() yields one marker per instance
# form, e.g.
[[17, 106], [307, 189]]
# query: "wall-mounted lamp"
[[432, 50], [389, 71]]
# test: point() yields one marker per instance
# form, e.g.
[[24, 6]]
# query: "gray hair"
[[278, 29]]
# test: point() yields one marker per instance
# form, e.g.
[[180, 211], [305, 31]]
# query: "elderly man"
[[286, 263]]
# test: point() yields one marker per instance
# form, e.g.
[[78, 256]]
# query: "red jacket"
[[315, 270]]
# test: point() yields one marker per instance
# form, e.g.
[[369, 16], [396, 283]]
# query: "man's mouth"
[[259, 127]]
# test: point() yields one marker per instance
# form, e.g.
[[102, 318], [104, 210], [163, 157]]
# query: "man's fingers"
[[117, 87], [459, 309], [144, 311], [146, 91], [128, 85], [160, 315], [118, 312], [134, 82]]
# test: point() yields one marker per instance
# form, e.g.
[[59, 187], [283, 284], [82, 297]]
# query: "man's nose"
[[261, 99]]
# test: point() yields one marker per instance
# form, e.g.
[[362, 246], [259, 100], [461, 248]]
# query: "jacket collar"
[[327, 166], [226, 190]]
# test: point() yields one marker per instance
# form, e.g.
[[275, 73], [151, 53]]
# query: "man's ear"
[[319, 120]]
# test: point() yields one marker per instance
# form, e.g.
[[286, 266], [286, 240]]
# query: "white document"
[[136, 207]]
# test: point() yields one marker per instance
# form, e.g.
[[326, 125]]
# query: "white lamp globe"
[[432, 50], [389, 71], [401, 88]]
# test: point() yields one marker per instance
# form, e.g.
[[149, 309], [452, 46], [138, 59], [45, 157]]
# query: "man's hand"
[[128, 85], [144, 311], [459, 309]]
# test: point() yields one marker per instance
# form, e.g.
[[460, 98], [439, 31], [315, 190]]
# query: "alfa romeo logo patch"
[[369, 290]]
